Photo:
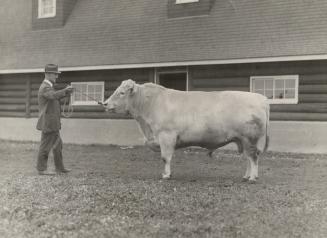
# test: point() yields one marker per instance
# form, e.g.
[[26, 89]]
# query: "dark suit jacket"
[[49, 108]]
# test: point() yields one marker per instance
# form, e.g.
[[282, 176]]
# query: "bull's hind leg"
[[167, 145]]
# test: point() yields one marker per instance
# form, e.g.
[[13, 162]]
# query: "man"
[[49, 121]]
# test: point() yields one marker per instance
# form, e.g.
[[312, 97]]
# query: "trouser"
[[50, 140]]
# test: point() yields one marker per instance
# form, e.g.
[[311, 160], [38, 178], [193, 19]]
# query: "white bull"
[[172, 119]]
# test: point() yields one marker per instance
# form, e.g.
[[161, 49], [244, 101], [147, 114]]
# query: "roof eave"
[[172, 64]]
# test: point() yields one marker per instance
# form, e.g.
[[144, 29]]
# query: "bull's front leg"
[[167, 143], [248, 169], [252, 167]]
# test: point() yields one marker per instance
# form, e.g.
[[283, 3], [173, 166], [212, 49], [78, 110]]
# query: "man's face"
[[52, 77]]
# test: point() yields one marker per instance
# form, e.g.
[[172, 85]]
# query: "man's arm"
[[50, 94]]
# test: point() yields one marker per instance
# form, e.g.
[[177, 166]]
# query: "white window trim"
[[87, 103], [185, 1], [53, 14], [276, 77]]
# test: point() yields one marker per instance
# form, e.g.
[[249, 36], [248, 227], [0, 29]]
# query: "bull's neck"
[[139, 104], [135, 105]]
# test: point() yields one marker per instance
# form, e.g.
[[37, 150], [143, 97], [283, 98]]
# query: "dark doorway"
[[173, 80]]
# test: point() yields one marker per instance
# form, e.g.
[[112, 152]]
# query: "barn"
[[273, 47]]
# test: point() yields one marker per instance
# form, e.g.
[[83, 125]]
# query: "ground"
[[117, 192]]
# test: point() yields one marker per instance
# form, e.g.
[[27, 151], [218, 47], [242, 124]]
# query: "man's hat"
[[51, 68]]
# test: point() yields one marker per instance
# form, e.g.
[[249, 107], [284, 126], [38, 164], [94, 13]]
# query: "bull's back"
[[212, 105], [211, 117]]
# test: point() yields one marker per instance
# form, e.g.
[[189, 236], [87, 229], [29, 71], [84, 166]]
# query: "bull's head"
[[119, 101]]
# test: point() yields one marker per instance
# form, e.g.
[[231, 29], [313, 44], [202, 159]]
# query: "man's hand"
[[69, 89]]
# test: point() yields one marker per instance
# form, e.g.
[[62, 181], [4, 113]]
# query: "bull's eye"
[[122, 93]]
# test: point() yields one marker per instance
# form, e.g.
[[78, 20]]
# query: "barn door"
[[173, 80]]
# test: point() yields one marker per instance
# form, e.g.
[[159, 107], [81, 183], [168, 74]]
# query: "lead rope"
[[70, 109]]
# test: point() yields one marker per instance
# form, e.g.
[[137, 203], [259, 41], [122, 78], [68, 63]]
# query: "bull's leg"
[[253, 158], [248, 169], [167, 145], [251, 153]]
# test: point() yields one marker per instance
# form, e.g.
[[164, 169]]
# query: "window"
[[47, 8], [278, 89], [185, 1], [87, 93]]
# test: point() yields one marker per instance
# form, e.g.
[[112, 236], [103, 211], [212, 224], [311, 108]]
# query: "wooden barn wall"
[[312, 105], [18, 92], [15, 95]]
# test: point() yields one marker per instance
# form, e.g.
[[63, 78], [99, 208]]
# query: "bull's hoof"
[[166, 176], [252, 181], [245, 179]]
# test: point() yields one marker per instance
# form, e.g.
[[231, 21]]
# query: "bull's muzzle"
[[103, 103], [110, 108]]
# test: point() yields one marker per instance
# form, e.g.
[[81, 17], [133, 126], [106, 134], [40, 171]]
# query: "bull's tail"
[[267, 124]]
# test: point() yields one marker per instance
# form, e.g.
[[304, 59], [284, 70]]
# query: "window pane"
[[77, 96], [290, 83], [269, 94], [91, 88], [80, 91], [83, 97], [279, 93], [98, 88], [47, 8], [258, 84], [269, 84], [98, 97], [83, 88], [289, 93], [260, 91], [279, 84]]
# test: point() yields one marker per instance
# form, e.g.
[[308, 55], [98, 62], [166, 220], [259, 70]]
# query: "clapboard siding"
[[211, 80], [4, 100], [300, 108], [312, 98], [312, 85], [313, 79], [312, 88], [290, 116], [13, 95], [220, 82], [12, 114]]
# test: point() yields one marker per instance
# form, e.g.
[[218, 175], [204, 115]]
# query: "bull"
[[172, 119]]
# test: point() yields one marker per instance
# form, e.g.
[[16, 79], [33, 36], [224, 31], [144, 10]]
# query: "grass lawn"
[[117, 192]]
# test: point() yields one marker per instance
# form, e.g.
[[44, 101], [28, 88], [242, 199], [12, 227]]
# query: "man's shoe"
[[44, 172], [63, 171]]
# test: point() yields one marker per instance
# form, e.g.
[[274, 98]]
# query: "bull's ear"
[[132, 88]]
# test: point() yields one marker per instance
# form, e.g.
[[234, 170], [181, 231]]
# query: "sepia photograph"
[[163, 118]]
